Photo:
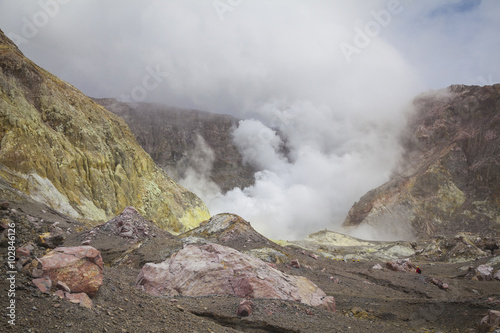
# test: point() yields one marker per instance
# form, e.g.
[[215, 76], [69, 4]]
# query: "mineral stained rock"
[[63, 149], [229, 230], [448, 178], [180, 139], [214, 269], [79, 268]]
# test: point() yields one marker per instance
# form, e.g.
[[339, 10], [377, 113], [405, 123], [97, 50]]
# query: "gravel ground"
[[367, 300]]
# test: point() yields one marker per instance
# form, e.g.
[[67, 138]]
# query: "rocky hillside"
[[126, 275], [449, 177], [178, 139], [62, 149]]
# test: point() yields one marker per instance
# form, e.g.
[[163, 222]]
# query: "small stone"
[[295, 263], [36, 272], [44, 284], [80, 298], [244, 308], [25, 250], [4, 205], [21, 262], [59, 293], [50, 239], [62, 286]]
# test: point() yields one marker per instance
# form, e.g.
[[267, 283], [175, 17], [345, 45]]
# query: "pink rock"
[[484, 272], [401, 265], [490, 322], [44, 284], [25, 250], [62, 286], [295, 263], [37, 272], [244, 308], [80, 268], [438, 283], [314, 256], [59, 293], [214, 269], [80, 298]]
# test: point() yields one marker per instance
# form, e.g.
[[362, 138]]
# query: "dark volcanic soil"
[[367, 300]]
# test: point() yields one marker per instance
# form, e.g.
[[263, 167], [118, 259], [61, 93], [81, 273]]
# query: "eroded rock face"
[[230, 230], [63, 149], [214, 269], [128, 240], [448, 179], [79, 268], [179, 139], [459, 248], [129, 224]]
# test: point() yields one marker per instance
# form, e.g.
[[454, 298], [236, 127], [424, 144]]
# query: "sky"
[[328, 81]]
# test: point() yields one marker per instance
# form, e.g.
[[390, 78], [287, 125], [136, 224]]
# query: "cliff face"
[[63, 149], [449, 177], [178, 139]]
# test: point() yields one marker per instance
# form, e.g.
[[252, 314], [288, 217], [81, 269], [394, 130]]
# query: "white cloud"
[[280, 64]]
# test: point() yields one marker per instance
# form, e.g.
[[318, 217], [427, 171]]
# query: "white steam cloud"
[[322, 85], [312, 174]]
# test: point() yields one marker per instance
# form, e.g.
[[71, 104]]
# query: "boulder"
[[79, 268], [402, 265], [484, 272], [214, 269], [480, 273], [489, 322]]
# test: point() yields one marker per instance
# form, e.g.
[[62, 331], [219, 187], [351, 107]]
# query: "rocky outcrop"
[[79, 268], [128, 240], [179, 139], [490, 322], [459, 248], [129, 224], [339, 246], [230, 230], [448, 179], [214, 269], [63, 149]]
